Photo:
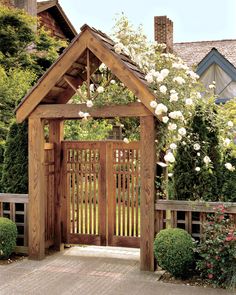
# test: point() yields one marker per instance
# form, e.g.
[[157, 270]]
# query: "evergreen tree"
[[15, 167], [193, 178]]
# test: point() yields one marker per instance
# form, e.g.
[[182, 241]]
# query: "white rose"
[[153, 104], [198, 154], [196, 146], [172, 126], [100, 89], [174, 96], [118, 47], [161, 108], [227, 142], [149, 78], [81, 114], [197, 169], [179, 80], [169, 157], [182, 131], [91, 87], [126, 140], [176, 115], [229, 166], [113, 82], [165, 73], [163, 89], [173, 146], [89, 103], [230, 124], [206, 160], [188, 101], [212, 86], [165, 119]]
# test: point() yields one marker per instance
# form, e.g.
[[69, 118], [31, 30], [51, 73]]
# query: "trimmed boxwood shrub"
[[173, 249], [8, 234]]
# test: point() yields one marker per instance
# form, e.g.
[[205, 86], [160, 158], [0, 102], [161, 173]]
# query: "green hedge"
[[8, 234]]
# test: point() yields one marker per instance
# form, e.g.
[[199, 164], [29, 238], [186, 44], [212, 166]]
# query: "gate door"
[[124, 194], [102, 193]]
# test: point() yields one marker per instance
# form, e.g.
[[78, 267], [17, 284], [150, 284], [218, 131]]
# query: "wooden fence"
[[187, 215], [14, 207]]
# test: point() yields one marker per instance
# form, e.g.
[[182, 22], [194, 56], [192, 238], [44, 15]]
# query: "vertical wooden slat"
[[90, 191], [148, 162], [36, 190], [102, 203], [128, 192], [132, 192], [136, 195], [86, 190], [110, 191], [119, 192]]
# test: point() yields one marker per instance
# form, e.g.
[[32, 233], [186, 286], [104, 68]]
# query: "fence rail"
[[188, 215], [15, 207]]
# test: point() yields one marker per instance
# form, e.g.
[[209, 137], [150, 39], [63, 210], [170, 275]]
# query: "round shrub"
[[8, 234], [173, 249]]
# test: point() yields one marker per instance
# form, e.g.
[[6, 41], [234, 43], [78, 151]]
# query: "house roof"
[[53, 86], [56, 10], [193, 52]]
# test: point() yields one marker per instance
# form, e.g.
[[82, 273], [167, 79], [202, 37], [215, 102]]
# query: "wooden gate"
[[102, 193]]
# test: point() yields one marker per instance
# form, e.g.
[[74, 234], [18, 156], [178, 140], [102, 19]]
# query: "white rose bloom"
[[196, 146], [182, 131], [81, 114], [229, 166], [165, 73], [89, 103], [86, 115], [174, 97], [118, 47], [176, 115], [161, 108], [197, 169], [227, 142], [159, 77], [172, 91], [149, 78], [113, 82], [230, 124], [163, 89], [211, 86], [173, 146], [193, 75], [153, 104], [188, 101], [198, 154], [179, 80], [179, 137], [206, 160], [91, 87], [172, 126], [100, 89], [102, 67], [169, 157], [126, 140], [198, 95], [165, 119]]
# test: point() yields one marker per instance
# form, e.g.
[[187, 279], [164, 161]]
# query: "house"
[[213, 60], [51, 16]]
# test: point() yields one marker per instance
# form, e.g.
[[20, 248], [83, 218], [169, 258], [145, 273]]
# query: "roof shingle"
[[193, 52]]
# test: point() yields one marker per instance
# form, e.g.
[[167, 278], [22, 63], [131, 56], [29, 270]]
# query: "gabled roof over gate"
[[52, 88]]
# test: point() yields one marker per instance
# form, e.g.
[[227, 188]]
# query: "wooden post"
[[56, 133], [36, 215], [148, 166]]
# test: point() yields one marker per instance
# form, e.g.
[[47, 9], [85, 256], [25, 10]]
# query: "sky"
[[194, 20]]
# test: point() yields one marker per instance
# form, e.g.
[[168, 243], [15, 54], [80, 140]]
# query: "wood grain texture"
[[148, 163], [56, 135], [71, 111], [51, 77], [36, 212]]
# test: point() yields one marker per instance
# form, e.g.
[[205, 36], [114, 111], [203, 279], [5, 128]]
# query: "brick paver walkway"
[[89, 270]]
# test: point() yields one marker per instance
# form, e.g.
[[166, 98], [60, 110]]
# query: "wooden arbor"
[[48, 101]]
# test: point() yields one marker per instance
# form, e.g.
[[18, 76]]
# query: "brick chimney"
[[29, 6], [163, 30]]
